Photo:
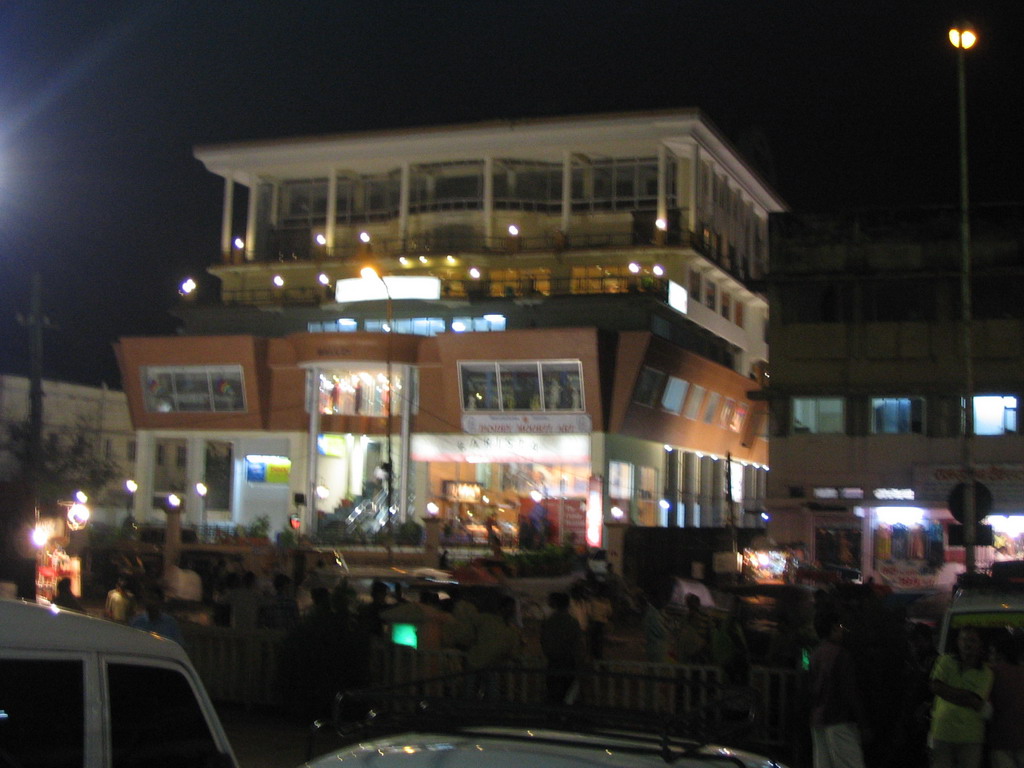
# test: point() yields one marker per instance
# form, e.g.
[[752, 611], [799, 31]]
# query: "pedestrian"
[[1005, 732], [156, 619], [655, 631], [244, 602], [961, 682], [65, 598], [498, 642], [281, 611], [563, 644], [837, 715], [368, 616], [120, 605], [599, 618]]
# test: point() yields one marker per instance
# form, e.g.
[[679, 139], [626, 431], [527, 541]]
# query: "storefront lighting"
[[513, 230], [364, 237], [321, 240], [80, 497], [1008, 524], [40, 536], [424, 260], [658, 270], [458, 326], [403, 261], [665, 505], [661, 224], [634, 267], [322, 492], [201, 489], [536, 495], [173, 501], [188, 287], [323, 279], [278, 281], [900, 515], [450, 260], [474, 273], [131, 485], [432, 509], [494, 318], [617, 513], [78, 516], [239, 243], [765, 516], [667, 447]]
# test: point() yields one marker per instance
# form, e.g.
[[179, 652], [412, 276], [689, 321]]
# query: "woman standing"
[[961, 683]]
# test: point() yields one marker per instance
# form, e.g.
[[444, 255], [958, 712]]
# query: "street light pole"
[[389, 469], [963, 38]]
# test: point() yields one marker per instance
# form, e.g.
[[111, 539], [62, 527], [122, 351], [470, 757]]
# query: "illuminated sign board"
[[268, 469], [678, 298], [401, 287]]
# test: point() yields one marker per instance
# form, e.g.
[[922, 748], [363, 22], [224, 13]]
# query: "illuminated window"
[[711, 407], [995, 415], [620, 480], [694, 401], [550, 385], [675, 393], [818, 415], [193, 388], [361, 392]]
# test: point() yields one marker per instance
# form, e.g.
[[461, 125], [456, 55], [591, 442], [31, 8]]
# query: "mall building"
[[546, 323], [869, 382]]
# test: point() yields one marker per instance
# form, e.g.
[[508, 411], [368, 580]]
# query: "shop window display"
[[909, 550]]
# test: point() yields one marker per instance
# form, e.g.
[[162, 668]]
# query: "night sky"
[[102, 102]]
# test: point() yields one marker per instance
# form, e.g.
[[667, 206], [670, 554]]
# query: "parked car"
[[992, 604], [77, 690]]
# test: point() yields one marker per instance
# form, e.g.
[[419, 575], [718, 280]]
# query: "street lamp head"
[[131, 485], [964, 37], [201, 489], [369, 273]]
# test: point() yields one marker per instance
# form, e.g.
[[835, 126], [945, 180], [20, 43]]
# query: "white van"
[[82, 691], [993, 605]]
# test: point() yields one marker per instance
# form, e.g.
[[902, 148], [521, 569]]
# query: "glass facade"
[[193, 388]]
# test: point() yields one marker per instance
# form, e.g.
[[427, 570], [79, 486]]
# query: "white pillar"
[[488, 198], [250, 221], [313, 406], [694, 187], [566, 191], [404, 196], [145, 455], [226, 218], [662, 182], [332, 209], [195, 472]]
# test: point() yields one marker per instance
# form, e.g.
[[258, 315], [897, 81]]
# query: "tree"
[[70, 461]]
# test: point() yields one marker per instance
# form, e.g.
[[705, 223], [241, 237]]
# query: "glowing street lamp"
[[202, 490], [963, 38]]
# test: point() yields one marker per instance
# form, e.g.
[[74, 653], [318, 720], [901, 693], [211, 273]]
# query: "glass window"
[[520, 386], [710, 294], [42, 703], [995, 415], [818, 415], [193, 388], [554, 385], [711, 407], [694, 401], [562, 386], [696, 281], [897, 415], [738, 314], [360, 392], [648, 386], [728, 409], [675, 393], [726, 305], [739, 416], [620, 480], [156, 720]]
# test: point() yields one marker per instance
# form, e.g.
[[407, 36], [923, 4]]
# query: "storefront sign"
[[906, 576], [456, 491], [1006, 481], [543, 449], [526, 424]]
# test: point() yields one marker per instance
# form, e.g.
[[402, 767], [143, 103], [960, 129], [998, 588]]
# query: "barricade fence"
[[241, 667]]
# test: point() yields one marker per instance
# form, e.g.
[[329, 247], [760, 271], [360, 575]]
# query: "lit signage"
[[267, 469], [400, 287], [565, 449], [678, 298], [894, 494], [331, 445], [456, 491]]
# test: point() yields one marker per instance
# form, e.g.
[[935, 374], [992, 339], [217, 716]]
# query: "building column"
[[332, 210], [671, 492], [145, 455], [662, 190], [566, 192], [694, 188], [404, 197], [227, 216], [250, 221], [406, 437], [195, 472], [488, 212], [313, 406]]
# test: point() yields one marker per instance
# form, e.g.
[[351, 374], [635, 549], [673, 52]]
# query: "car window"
[[156, 720], [42, 713]]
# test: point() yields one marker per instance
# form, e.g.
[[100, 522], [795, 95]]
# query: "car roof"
[[28, 626], [481, 746]]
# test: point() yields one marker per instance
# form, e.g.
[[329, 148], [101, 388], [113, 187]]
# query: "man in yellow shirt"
[[961, 683]]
